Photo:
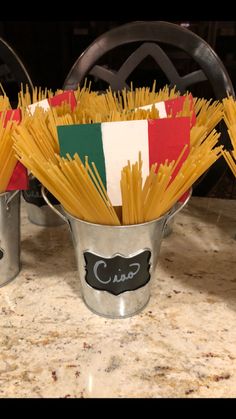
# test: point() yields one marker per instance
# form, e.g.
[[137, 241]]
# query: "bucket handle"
[[65, 219], [8, 200], [51, 205], [180, 207]]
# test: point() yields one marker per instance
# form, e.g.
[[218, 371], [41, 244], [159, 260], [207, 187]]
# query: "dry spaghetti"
[[8, 159], [230, 120]]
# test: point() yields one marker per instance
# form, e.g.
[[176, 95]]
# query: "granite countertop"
[[181, 345]]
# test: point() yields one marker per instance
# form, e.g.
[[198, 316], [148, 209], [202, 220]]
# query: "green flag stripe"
[[86, 140]]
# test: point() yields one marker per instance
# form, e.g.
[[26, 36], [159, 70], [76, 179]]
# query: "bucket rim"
[[164, 216]]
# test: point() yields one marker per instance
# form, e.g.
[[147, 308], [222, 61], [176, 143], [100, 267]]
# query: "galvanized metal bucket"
[[116, 263], [9, 236]]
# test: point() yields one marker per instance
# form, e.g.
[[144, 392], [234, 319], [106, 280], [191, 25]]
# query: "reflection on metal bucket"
[[116, 263], [9, 236]]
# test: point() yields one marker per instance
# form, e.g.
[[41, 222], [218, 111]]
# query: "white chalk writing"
[[118, 277]]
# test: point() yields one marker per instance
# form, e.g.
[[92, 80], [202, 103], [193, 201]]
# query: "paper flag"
[[111, 144], [19, 178], [68, 97], [172, 107], [41, 104], [160, 106], [12, 114]]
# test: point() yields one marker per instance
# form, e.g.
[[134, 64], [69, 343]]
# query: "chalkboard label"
[[117, 274]]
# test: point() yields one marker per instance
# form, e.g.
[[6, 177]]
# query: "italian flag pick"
[[171, 107], [66, 97], [110, 144]]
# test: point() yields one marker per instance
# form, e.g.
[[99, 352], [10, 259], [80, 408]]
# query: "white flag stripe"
[[42, 104], [159, 105], [122, 141]]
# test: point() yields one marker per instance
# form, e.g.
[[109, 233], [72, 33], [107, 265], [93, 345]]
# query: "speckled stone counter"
[[183, 344]]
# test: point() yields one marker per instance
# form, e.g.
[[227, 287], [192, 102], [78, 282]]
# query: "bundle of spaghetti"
[[126, 115], [187, 109], [85, 100], [160, 192], [136, 200], [4, 103], [124, 106], [27, 98], [131, 192], [198, 132], [137, 97], [208, 113], [4, 100], [37, 133], [111, 113], [229, 104], [230, 120], [102, 104], [8, 159], [93, 106], [230, 159], [83, 95], [232, 135], [94, 101], [200, 158], [80, 190], [110, 106], [76, 185], [139, 201], [123, 115]]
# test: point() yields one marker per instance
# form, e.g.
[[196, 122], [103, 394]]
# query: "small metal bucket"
[[115, 263], [37, 210], [9, 236]]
